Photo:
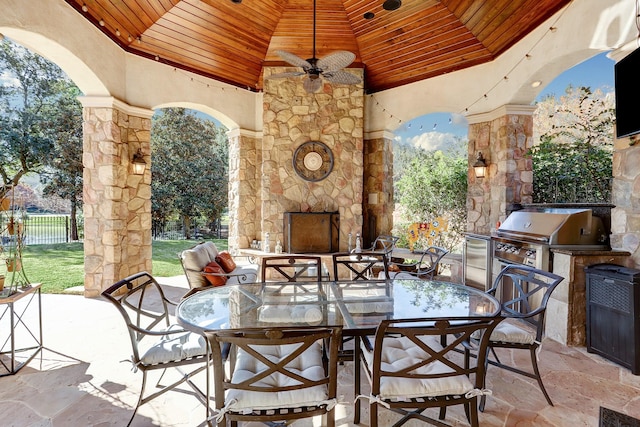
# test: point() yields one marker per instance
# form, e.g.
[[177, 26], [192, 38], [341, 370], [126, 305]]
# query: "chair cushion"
[[173, 347], [513, 331], [308, 365], [365, 307], [211, 248], [226, 261], [214, 267], [303, 313], [401, 275], [397, 354], [195, 259]]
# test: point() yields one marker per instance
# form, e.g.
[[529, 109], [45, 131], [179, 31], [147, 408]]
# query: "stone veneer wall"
[[378, 185], [117, 203], [244, 203], [625, 217], [334, 116], [503, 136]]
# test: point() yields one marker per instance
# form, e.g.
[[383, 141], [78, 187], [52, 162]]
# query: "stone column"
[[503, 136], [244, 181], [334, 116], [378, 185], [117, 203], [625, 217]]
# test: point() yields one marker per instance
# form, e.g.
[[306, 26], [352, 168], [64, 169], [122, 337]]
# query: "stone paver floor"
[[79, 380]]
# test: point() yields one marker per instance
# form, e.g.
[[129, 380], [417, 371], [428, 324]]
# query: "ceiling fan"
[[329, 68]]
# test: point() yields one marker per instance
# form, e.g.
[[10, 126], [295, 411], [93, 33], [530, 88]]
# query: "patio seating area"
[[79, 380]]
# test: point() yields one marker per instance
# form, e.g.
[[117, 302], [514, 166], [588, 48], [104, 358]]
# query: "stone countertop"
[[592, 252]]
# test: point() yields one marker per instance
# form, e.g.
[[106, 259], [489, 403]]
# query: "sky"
[[436, 131]]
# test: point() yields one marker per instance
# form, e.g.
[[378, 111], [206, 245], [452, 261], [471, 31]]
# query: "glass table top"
[[353, 305]]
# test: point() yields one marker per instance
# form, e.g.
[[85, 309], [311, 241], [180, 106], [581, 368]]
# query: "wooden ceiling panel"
[[232, 42]]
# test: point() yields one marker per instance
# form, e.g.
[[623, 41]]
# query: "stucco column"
[[378, 184], [504, 136], [244, 198], [117, 203]]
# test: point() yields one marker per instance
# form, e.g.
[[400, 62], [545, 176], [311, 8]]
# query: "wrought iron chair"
[[384, 243], [361, 265], [291, 268], [425, 268], [157, 344], [410, 370], [276, 374], [524, 293]]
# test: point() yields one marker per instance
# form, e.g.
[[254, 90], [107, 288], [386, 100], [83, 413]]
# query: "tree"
[[573, 161], [434, 184], [30, 88], [189, 167], [63, 177]]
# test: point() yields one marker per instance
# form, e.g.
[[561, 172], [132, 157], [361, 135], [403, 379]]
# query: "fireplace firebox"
[[311, 232]]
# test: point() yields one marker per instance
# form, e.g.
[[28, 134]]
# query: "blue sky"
[[435, 130]]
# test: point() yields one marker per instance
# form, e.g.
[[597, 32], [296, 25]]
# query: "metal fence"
[[198, 229], [50, 229]]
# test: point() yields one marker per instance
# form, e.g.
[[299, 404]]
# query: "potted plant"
[[14, 264]]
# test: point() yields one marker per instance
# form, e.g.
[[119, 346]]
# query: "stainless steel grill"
[[527, 235]]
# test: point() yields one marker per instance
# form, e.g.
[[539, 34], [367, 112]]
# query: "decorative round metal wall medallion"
[[313, 161]]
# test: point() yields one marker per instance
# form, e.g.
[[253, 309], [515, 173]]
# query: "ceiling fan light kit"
[[329, 68]]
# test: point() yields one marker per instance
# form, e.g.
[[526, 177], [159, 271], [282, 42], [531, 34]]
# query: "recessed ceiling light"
[[369, 15], [391, 4], [536, 83]]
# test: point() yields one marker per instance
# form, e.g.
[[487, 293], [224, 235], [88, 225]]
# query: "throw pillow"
[[226, 261], [214, 267]]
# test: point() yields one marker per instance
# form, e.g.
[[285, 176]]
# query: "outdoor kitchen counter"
[[567, 309]]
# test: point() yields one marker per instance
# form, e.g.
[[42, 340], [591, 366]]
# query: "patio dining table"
[[356, 306]]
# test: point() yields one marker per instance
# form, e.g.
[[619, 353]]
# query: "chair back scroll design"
[[276, 374], [524, 293], [156, 343], [411, 367], [384, 243], [361, 265]]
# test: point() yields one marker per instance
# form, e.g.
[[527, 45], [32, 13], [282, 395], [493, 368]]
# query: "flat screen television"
[[627, 85]]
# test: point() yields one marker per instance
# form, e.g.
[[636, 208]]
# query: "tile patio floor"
[[79, 381]]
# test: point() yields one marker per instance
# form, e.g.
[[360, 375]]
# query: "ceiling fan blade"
[[286, 75], [341, 77], [336, 61], [293, 59], [311, 85]]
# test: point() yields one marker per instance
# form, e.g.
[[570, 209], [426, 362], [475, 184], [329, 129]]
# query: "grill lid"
[[554, 226]]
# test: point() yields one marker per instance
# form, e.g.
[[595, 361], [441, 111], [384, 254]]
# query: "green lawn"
[[61, 266]]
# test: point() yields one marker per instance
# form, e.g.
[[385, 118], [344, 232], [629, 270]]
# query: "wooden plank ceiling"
[[231, 41]]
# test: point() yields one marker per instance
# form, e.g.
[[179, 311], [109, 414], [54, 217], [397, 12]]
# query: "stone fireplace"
[[311, 232], [262, 166]]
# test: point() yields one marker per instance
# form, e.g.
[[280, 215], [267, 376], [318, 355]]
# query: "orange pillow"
[[226, 261], [214, 267]]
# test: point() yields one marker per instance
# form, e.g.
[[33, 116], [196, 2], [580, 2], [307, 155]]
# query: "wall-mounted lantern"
[[138, 164], [480, 166]]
